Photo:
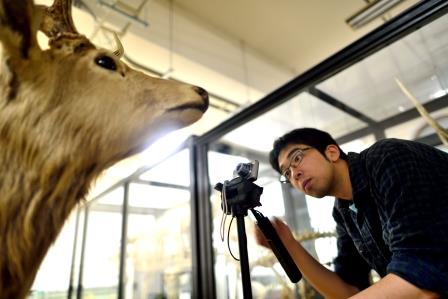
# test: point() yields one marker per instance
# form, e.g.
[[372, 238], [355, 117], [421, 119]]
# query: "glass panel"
[[321, 220], [420, 61], [102, 251], [78, 250], [359, 144], [158, 260], [167, 170], [304, 110]]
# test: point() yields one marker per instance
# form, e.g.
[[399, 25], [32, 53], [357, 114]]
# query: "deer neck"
[[42, 180]]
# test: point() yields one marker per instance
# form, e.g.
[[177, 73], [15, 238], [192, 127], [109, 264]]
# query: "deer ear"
[[19, 22]]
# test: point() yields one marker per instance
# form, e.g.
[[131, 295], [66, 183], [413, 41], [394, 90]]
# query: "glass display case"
[[137, 236], [355, 97]]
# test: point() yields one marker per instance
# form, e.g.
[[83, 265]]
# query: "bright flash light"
[[164, 147]]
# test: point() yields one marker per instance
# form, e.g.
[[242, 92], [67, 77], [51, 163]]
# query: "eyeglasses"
[[294, 161]]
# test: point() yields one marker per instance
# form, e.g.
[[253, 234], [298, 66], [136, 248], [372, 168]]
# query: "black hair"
[[308, 136]]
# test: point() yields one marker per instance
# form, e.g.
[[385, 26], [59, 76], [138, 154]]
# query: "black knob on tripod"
[[218, 187]]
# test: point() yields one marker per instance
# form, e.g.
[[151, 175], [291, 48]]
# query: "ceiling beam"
[[431, 106], [325, 97]]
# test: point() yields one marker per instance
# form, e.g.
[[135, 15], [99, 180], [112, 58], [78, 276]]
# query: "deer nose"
[[204, 95]]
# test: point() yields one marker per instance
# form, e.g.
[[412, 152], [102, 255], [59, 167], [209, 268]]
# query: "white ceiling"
[[294, 33]]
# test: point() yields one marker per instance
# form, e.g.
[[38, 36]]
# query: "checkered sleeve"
[[410, 185]]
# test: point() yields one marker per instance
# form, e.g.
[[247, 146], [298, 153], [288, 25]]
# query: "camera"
[[241, 193]]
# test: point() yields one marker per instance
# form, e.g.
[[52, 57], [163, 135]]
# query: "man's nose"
[[295, 171]]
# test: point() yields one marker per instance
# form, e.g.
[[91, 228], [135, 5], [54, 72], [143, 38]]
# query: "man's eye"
[[296, 158], [287, 174]]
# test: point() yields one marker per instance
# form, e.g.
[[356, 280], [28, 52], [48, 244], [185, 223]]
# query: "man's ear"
[[332, 152]]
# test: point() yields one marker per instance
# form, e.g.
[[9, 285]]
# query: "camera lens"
[[243, 169]]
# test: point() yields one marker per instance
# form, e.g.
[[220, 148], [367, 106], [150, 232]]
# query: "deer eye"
[[106, 62]]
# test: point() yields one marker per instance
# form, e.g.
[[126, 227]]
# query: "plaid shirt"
[[398, 219]]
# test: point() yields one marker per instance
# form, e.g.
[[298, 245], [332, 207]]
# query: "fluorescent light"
[[438, 94], [370, 12]]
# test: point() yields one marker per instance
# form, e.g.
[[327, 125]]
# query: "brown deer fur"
[[64, 118]]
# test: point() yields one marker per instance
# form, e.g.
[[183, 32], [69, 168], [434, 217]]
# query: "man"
[[391, 211]]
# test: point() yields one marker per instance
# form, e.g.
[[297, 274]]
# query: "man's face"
[[313, 175]]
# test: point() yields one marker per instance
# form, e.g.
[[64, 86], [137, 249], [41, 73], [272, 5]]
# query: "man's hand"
[[283, 232]]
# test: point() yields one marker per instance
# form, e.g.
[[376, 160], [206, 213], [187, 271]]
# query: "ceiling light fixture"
[[126, 10], [370, 12]]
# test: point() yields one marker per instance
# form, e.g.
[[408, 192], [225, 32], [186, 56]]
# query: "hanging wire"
[[222, 227], [171, 34], [245, 70], [224, 214], [170, 41], [228, 235]]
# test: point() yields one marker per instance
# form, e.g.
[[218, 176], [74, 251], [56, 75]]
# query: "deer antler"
[[57, 23], [57, 19], [58, 26]]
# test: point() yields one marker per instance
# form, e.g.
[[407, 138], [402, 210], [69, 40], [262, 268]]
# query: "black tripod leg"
[[244, 260]]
